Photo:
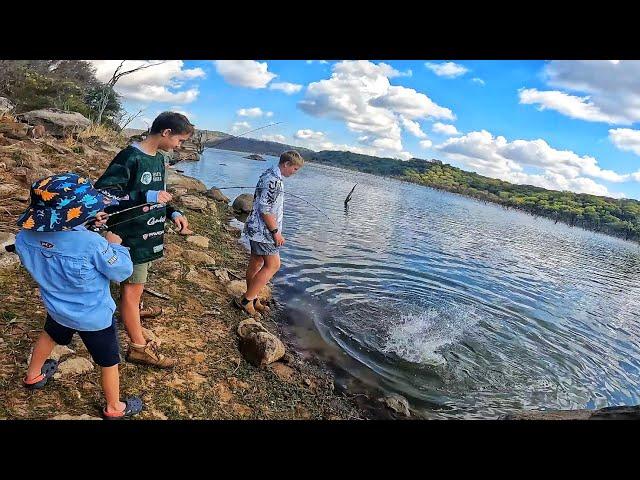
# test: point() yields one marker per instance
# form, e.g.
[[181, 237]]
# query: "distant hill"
[[252, 145], [617, 217]]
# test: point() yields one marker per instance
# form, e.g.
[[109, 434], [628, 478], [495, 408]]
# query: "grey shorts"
[[140, 273], [263, 249]]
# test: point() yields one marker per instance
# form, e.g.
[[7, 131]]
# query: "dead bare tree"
[[117, 74], [346, 200], [128, 119], [198, 140]]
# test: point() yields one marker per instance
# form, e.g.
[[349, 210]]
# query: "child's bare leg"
[[41, 351], [111, 388], [255, 264], [260, 279], [130, 295]]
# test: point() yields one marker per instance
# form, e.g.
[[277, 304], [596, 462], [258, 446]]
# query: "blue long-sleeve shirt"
[[73, 269]]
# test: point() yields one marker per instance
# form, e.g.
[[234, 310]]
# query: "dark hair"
[[176, 122]]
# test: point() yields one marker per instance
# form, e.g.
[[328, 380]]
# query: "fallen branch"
[[346, 200], [157, 294]]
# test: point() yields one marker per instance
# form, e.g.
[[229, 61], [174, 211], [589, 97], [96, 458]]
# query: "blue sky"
[[566, 125]]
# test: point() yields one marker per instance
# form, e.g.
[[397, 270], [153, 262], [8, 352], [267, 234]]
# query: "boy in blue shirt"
[[73, 267]]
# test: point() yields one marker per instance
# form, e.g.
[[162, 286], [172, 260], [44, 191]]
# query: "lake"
[[466, 309]]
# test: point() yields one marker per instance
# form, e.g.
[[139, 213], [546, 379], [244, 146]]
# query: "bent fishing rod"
[[242, 134], [288, 193]]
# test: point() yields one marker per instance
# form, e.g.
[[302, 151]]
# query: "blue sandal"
[[133, 406], [49, 367]]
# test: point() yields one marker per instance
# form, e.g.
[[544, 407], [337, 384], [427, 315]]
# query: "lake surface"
[[466, 309]]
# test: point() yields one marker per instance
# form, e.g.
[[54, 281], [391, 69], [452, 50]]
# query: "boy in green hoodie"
[[136, 177]]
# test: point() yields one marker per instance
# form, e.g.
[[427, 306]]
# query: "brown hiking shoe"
[[149, 355], [260, 307], [247, 308], [150, 312]]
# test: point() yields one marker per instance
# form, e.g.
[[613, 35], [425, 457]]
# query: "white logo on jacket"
[[154, 220], [146, 178]]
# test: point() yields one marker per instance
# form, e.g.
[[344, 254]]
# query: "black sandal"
[[49, 367], [133, 407]]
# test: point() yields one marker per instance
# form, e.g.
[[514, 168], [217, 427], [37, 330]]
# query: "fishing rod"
[[242, 134], [288, 193]]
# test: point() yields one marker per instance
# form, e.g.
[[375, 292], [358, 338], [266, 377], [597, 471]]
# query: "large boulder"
[[57, 122], [217, 195], [261, 348], [243, 203], [5, 106], [174, 179], [15, 130]]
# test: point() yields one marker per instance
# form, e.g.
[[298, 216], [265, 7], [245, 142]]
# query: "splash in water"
[[416, 337]]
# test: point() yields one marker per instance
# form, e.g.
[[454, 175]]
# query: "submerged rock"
[[255, 156]]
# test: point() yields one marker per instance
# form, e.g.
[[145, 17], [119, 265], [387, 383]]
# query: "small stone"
[[283, 372], [194, 203], [74, 417], [199, 240], [58, 352], [75, 366], [195, 256], [397, 403], [261, 348], [241, 410], [245, 327], [238, 384], [222, 275], [222, 392]]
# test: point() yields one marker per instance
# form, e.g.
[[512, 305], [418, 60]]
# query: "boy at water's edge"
[[136, 176], [264, 230]]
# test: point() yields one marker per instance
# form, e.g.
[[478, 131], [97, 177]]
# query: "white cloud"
[[240, 126], [245, 73], [447, 69], [309, 62], [275, 138], [360, 94], [558, 169], [575, 107], [479, 81], [626, 139], [413, 128], [426, 144], [157, 83], [286, 87], [607, 90], [308, 134], [253, 112], [450, 130], [187, 114]]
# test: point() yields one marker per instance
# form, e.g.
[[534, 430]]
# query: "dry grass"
[[103, 133]]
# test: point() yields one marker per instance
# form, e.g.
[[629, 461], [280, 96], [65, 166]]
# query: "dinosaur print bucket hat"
[[62, 202]]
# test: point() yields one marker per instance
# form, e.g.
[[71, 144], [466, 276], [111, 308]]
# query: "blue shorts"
[[102, 344], [263, 249]]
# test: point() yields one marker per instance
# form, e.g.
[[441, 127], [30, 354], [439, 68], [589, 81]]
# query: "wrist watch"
[[274, 231]]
